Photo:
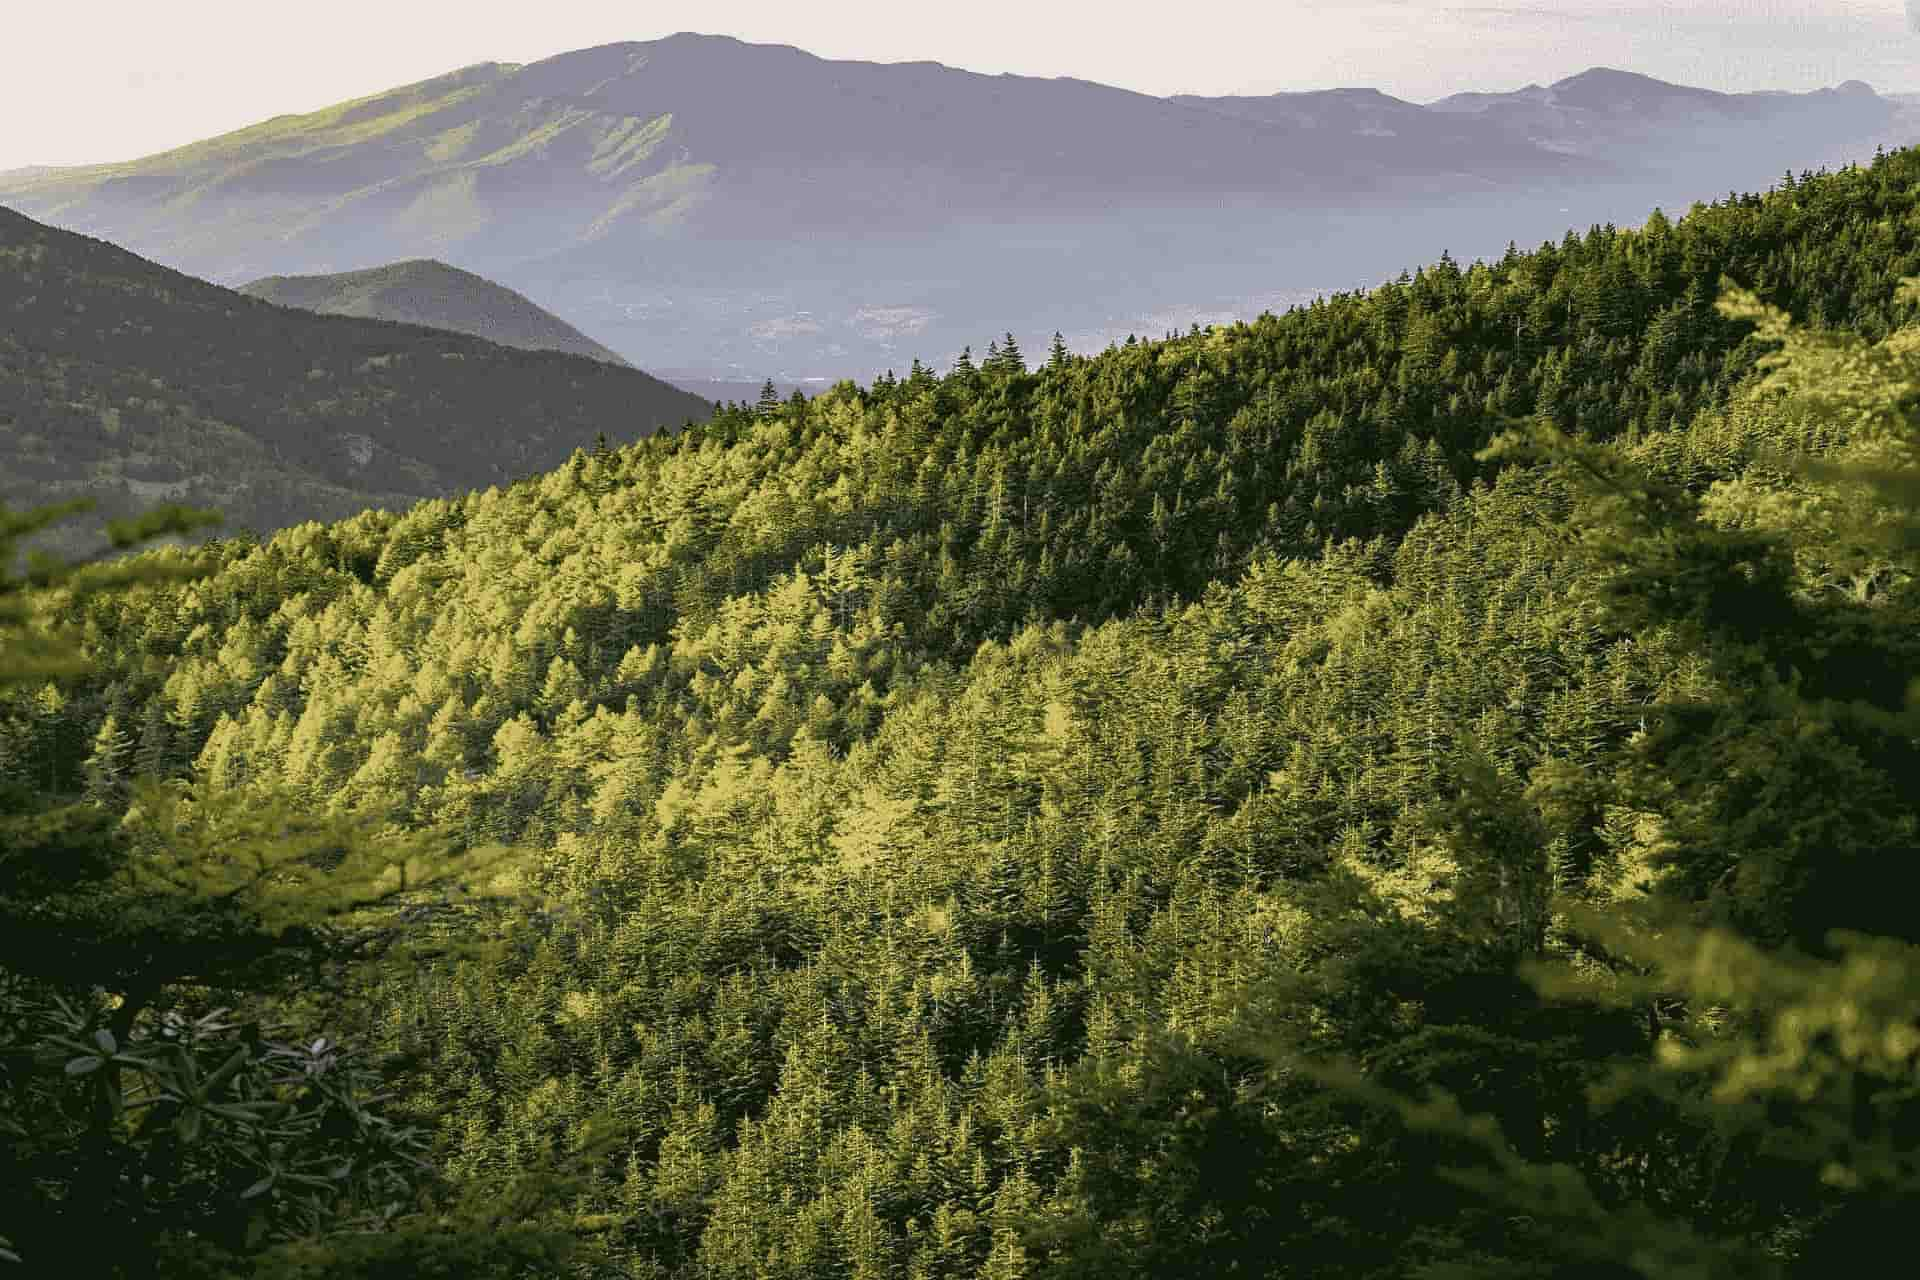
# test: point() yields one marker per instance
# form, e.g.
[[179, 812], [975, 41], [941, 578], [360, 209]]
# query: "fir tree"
[[1011, 361], [1057, 355]]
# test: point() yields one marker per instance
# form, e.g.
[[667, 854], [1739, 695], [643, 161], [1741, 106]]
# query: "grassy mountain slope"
[[437, 296], [943, 780], [134, 383], [612, 149], [626, 143]]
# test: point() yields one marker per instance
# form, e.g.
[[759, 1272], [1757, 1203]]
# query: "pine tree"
[[108, 763], [1057, 355], [1011, 361]]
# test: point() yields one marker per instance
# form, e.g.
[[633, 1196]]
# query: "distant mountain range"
[[438, 296], [1619, 115], [135, 384], [1628, 123], [746, 210], [604, 150]]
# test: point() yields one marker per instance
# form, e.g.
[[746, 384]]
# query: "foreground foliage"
[[145, 1128]]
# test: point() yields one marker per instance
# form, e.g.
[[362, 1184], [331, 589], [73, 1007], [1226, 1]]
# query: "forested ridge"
[[437, 296], [1122, 818], [132, 383]]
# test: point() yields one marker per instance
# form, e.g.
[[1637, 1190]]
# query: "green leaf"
[[108, 1045], [259, 1188], [81, 1066], [226, 1070]]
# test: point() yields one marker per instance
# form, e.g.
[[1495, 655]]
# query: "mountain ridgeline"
[[848, 215], [133, 384], [435, 296], [625, 147], [1045, 823]]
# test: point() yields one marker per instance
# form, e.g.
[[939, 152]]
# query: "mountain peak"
[[1600, 87], [1612, 78], [714, 45]]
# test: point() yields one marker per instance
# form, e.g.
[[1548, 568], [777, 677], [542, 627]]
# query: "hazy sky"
[[95, 80]]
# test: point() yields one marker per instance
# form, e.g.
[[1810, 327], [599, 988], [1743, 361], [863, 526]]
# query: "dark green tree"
[[1057, 354], [1011, 361]]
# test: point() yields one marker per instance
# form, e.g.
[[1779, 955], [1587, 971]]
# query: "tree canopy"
[[1418, 786]]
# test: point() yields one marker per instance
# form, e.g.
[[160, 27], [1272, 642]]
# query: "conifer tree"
[[1011, 361], [1057, 354]]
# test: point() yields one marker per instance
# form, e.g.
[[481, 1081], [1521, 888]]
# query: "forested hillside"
[[433, 294], [1057, 823], [133, 384]]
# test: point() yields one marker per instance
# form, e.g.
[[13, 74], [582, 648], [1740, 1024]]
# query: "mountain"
[[1410, 137], [1034, 823], [1651, 124], [1632, 124], [736, 209], [135, 383], [626, 145], [435, 295]]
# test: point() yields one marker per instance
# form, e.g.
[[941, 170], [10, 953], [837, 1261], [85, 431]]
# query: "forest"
[[1418, 786]]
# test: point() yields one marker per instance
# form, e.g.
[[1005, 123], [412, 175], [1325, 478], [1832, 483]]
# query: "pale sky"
[[87, 81]]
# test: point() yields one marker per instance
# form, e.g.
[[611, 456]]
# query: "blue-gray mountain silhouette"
[[754, 210]]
